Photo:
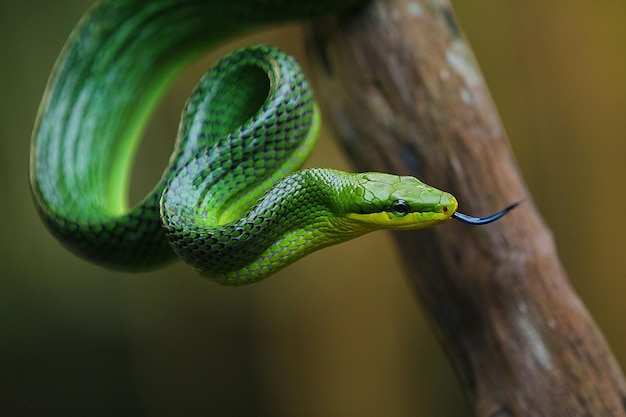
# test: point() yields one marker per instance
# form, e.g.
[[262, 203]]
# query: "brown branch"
[[401, 88]]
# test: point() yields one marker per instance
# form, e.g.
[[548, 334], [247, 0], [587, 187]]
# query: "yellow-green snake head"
[[384, 201]]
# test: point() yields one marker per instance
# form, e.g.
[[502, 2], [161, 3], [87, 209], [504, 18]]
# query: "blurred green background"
[[339, 333]]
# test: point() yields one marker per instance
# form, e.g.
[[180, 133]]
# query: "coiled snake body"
[[229, 203]]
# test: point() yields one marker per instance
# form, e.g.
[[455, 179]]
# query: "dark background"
[[339, 333]]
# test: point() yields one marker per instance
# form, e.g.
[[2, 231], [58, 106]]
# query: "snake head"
[[384, 201]]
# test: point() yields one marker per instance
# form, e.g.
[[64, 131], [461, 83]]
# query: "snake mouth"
[[411, 221], [405, 216]]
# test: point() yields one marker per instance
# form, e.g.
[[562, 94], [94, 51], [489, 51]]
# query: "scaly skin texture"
[[228, 203]]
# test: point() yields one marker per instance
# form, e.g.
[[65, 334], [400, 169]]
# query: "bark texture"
[[400, 87]]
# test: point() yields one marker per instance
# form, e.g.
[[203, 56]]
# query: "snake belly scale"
[[231, 202]]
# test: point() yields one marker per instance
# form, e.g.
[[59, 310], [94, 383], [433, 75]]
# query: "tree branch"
[[401, 88]]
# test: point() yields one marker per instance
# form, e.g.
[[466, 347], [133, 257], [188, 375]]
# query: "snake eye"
[[400, 208]]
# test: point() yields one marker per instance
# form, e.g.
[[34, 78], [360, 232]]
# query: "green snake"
[[232, 201]]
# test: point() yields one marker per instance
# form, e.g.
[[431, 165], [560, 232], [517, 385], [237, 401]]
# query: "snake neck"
[[298, 215]]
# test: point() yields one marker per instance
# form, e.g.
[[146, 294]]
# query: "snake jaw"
[[414, 220], [387, 220]]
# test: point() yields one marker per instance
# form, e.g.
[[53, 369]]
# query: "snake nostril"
[[444, 209]]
